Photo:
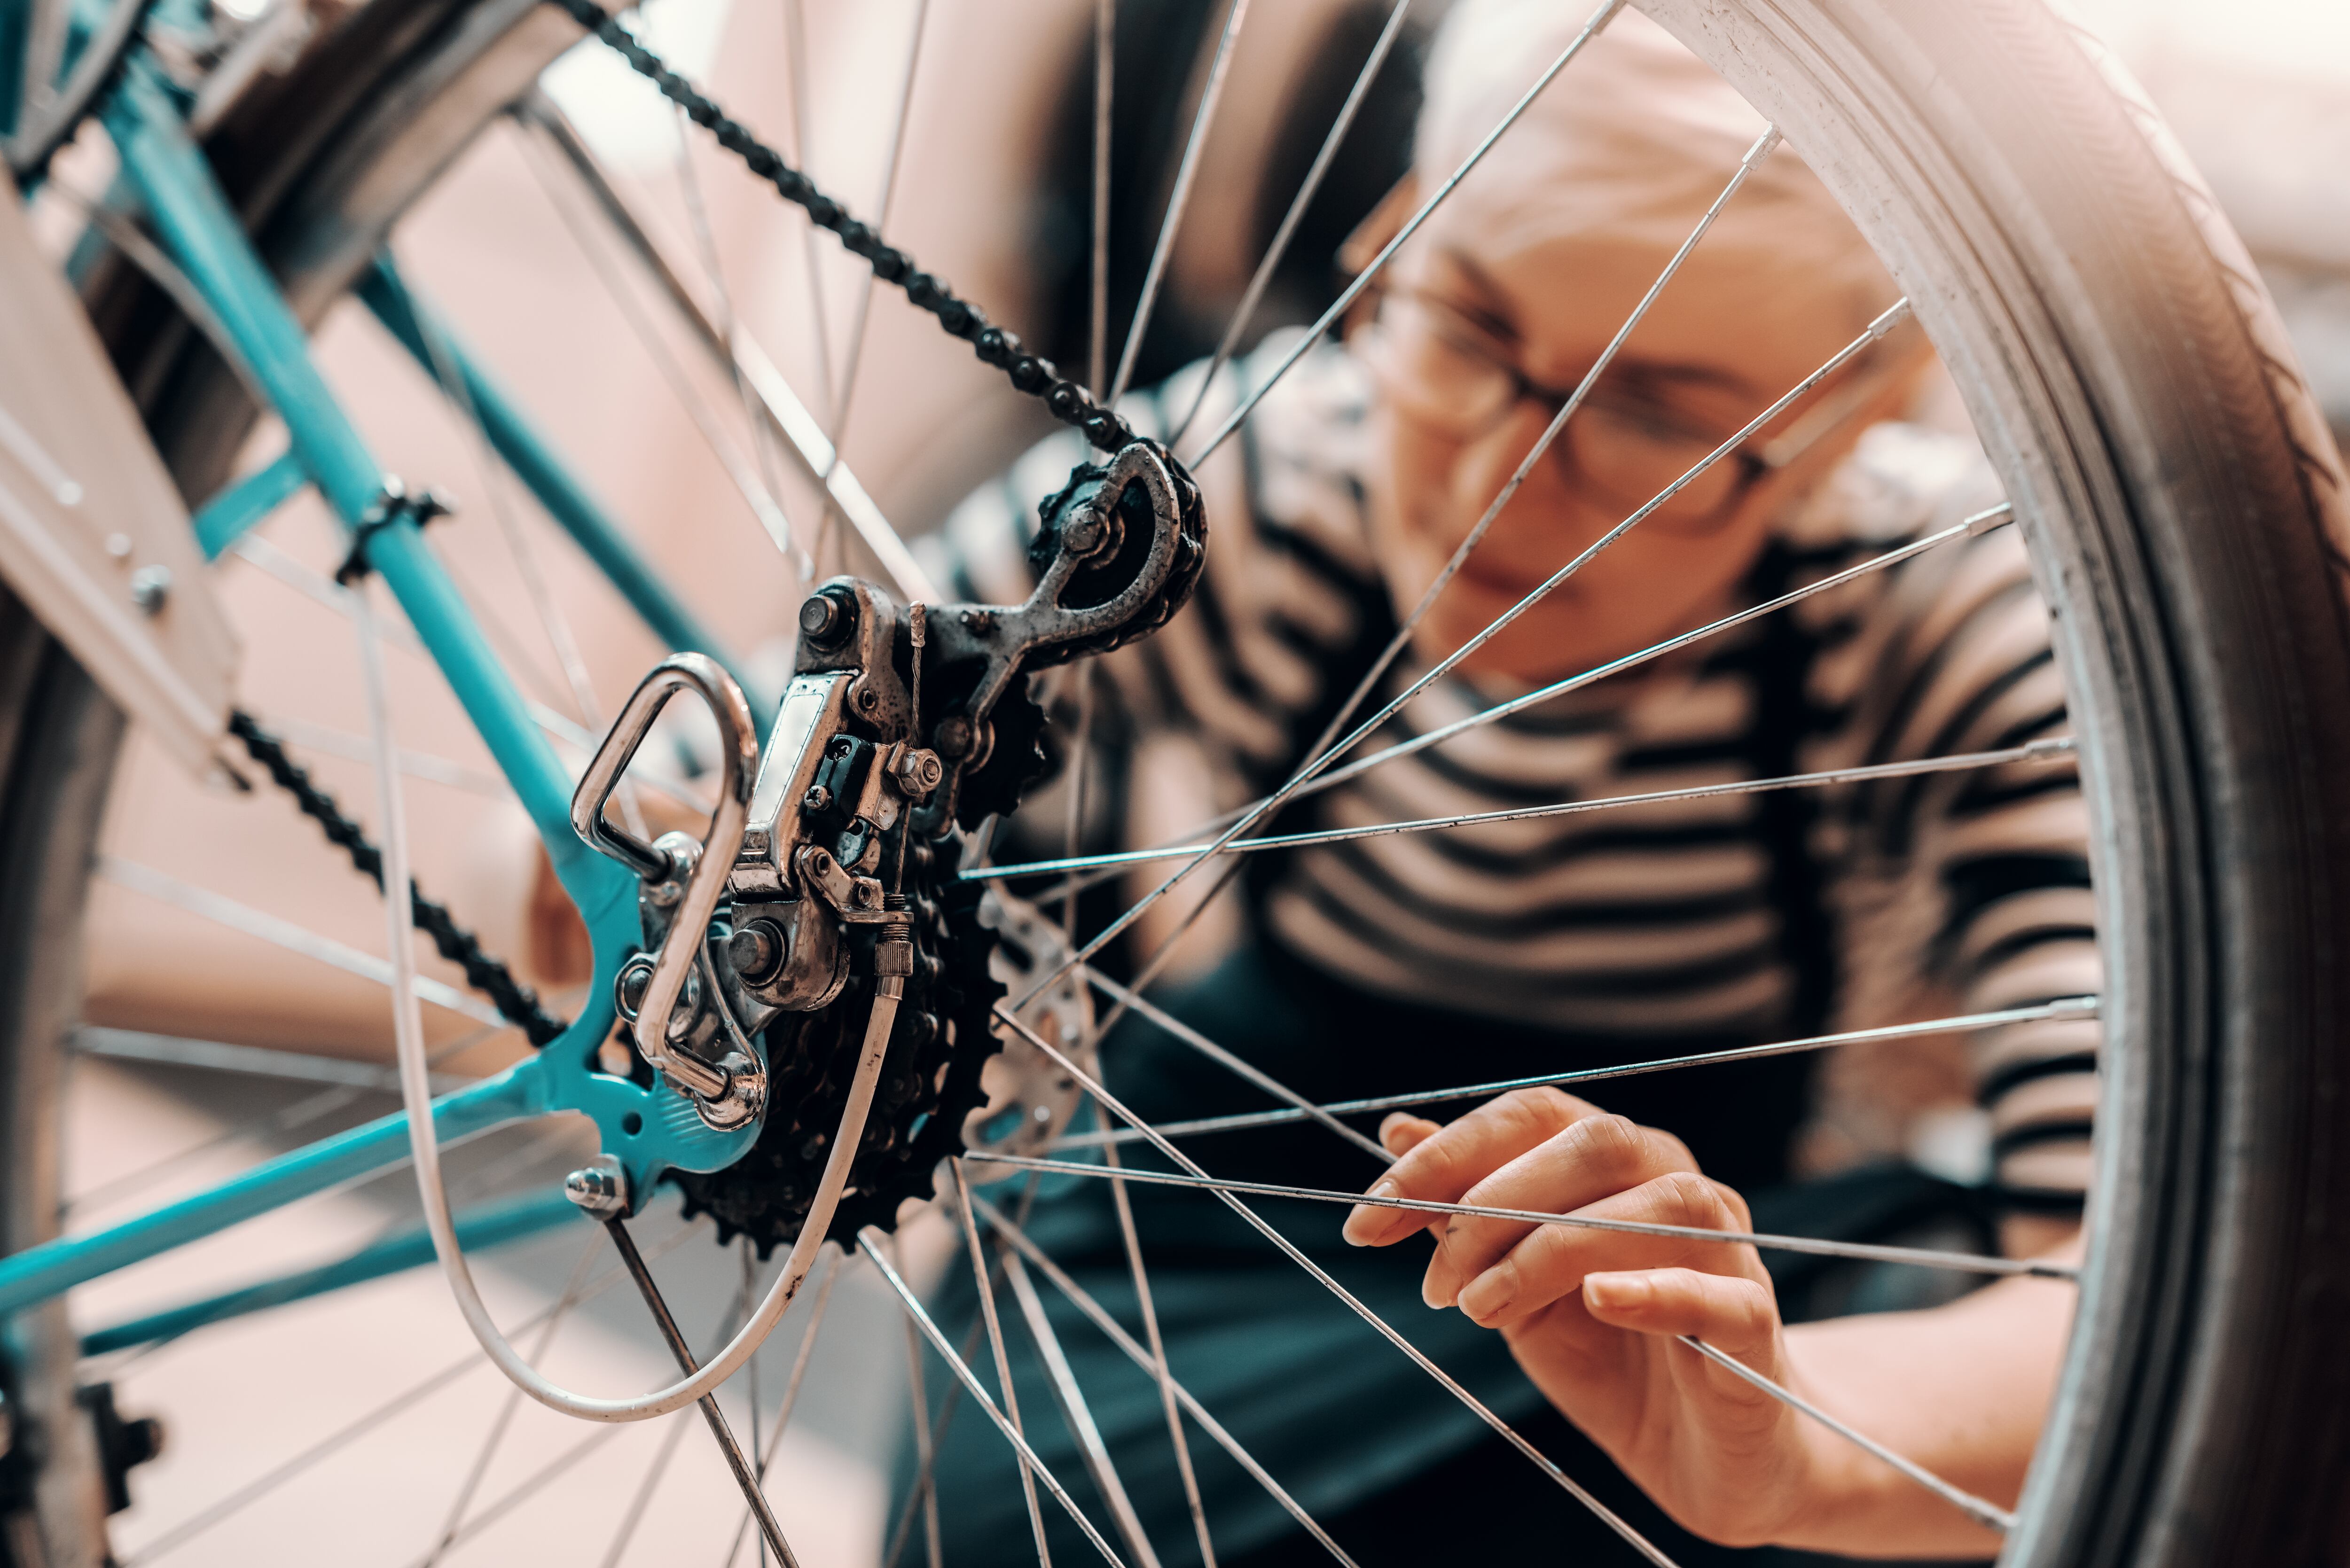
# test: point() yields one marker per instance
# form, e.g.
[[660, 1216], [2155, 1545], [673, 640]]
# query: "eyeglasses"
[[1621, 449]]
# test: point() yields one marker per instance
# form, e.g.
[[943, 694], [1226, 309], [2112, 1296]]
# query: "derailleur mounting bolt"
[[757, 950], [601, 1187], [825, 619], [918, 772]]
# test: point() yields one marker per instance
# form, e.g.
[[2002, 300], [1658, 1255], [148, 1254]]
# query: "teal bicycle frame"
[[650, 1131]]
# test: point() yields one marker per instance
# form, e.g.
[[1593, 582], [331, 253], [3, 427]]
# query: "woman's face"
[[1473, 329]]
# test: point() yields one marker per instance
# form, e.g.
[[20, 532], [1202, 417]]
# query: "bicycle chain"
[[1065, 400], [516, 1003]]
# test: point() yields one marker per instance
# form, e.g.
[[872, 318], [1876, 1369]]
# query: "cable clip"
[[392, 504]]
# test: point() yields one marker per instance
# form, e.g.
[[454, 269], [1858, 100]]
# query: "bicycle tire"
[[2186, 514]]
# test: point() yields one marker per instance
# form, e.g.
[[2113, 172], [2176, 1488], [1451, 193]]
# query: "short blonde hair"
[[1635, 137]]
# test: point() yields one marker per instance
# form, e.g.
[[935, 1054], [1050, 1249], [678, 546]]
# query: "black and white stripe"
[[1742, 915]]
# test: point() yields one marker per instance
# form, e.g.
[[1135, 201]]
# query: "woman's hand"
[[1593, 1315]]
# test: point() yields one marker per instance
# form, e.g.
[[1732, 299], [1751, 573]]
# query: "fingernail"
[[1439, 1287], [1616, 1293], [1489, 1295], [1366, 1225]]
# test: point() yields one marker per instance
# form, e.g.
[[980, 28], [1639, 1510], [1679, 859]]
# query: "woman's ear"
[[1371, 236]]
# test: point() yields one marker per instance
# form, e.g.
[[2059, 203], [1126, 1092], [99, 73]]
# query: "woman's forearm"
[[1960, 1389]]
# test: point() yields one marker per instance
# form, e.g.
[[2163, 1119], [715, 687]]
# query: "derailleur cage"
[[899, 723]]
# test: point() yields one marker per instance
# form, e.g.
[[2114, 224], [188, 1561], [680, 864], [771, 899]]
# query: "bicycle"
[[2166, 465]]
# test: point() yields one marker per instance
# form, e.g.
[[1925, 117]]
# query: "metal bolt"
[[757, 950], [602, 1188], [150, 587], [954, 736], [818, 799], [825, 620], [918, 772], [1084, 534], [868, 699], [628, 988]]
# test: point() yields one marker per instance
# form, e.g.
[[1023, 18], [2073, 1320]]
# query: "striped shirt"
[[1737, 914]]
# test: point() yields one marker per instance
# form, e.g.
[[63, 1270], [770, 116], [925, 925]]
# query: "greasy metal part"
[[1108, 570], [1029, 1099], [744, 1475], [682, 880]]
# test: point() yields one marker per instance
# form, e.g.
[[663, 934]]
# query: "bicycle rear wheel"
[[2187, 524]]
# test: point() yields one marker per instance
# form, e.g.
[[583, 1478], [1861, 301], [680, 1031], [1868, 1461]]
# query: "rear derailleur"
[[834, 850]]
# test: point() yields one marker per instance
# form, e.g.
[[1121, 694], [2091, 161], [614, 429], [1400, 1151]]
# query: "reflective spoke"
[[808, 445], [969, 1380], [1226, 1193], [495, 1438], [1149, 1308], [697, 408], [1076, 1414], [1354, 290], [2049, 750], [285, 934], [1875, 331], [309, 737], [1224, 1187], [1101, 1319], [1104, 70], [979, 1274], [2063, 1009], [1224, 1058], [791, 1388], [253, 1491], [1185, 173], [1974, 1507], [1251, 296]]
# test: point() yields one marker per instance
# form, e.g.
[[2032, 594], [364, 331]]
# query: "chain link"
[[516, 1003], [1065, 399]]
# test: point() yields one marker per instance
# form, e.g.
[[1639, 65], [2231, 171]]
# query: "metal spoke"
[[1185, 173], [705, 245], [926, 1444], [1101, 1319], [1989, 1515], [1273, 252], [969, 1380], [763, 506], [350, 1079], [1105, 67], [259, 553], [1076, 1414], [744, 1477], [335, 1442], [626, 1531], [1354, 290], [791, 1388], [1224, 1186], [818, 459], [979, 1274], [1321, 1276], [1224, 1058], [2043, 751], [2064, 1009], [1403, 634], [565, 1463], [1148, 1306], [309, 737], [551, 618], [227, 911], [1874, 333], [496, 1437]]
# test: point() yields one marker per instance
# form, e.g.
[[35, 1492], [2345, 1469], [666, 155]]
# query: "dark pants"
[[1397, 1468]]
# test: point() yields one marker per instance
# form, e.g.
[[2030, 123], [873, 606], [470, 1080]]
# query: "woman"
[[1505, 950]]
